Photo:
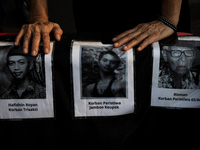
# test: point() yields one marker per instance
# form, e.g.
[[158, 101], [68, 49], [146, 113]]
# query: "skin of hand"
[[145, 33], [35, 32], [38, 29]]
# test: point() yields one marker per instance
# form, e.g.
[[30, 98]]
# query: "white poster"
[[26, 90], [176, 73], [103, 79]]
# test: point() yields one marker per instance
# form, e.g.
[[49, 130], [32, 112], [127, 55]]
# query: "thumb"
[[57, 32]]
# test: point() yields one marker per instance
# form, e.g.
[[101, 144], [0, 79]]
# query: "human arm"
[[147, 33], [38, 29]]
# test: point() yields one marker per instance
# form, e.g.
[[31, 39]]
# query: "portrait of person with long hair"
[[103, 72]]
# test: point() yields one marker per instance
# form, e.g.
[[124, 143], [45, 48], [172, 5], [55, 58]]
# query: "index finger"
[[19, 37]]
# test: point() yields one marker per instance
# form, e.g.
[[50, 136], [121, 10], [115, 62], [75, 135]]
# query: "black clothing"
[[147, 126], [33, 91], [2, 14], [112, 16], [107, 93], [22, 11], [116, 17]]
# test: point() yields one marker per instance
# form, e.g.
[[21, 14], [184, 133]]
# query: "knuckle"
[[43, 26], [56, 25], [130, 34], [152, 28], [128, 31], [36, 37], [147, 42], [146, 25], [141, 24], [25, 46], [136, 38], [125, 33], [148, 33], [27, 37], [36, 34], [46, 37], [131, 44], [35, 27], [25, 25], [150, 40], [29, 25]]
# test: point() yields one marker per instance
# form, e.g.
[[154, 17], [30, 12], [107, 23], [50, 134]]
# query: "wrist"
[[38, 11], [38, 19], [168, 23], [173, 19]]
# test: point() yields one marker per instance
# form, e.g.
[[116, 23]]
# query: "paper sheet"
[[176, 78], [26, 83], [103, 80]]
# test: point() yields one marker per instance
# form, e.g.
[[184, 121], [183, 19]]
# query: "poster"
[[103, 79], [26, 90], [176, 73]]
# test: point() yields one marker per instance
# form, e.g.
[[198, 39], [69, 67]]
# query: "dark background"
[[171, 127], [62, 12]]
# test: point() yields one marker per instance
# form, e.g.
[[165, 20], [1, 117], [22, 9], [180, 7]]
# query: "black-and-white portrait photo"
[[103, 71], [103, 79], [180, 65], [22, 76]]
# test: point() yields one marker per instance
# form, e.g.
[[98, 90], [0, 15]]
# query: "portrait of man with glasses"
[[177, 69]]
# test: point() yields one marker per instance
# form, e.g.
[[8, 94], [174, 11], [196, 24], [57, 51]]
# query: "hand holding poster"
[[176, 73], [26, 83], [102, 80]]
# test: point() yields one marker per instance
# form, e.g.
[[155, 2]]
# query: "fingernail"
[[116, 44], [34, 53], [125, 47], [58, 37], [46, 50], [114, 39], [16, 43], [25, 50], [139, 48]]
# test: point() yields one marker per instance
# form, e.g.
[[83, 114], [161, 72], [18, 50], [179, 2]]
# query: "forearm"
[[170, 10], [38, 11]]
